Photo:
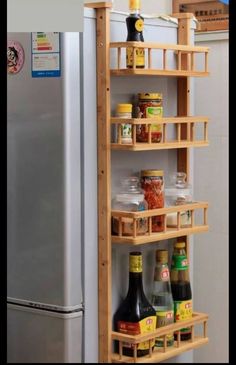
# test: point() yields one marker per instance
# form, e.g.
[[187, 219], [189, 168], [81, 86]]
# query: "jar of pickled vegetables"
[[152, 182]]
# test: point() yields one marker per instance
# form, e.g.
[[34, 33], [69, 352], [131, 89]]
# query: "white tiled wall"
[[211, 184]]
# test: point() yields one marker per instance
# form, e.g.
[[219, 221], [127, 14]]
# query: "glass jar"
[[152, 182], [178, 193], [150, 106], [124, 111], [130, 199]]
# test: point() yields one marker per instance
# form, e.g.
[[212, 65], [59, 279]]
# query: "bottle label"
[[140, 57], [163, 274], [126, 132], [146, 325], [139, 25], [135, 263], [163, 319], [183, 310], [179, 262]]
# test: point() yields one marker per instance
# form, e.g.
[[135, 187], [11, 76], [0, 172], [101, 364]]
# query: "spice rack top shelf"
[[161, 354], [181, 52], [168, 233]]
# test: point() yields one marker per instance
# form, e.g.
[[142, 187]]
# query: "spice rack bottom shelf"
[[158, 355]]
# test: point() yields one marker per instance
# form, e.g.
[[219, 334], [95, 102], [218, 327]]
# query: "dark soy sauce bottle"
[[135, 314], [135, 24], [181, 288]]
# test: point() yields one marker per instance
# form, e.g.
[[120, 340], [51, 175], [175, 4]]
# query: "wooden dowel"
[[120, 227], [192, 132], [119, 57], [150, 348], [119, 133], [135, 353], [192, 333], [164, 59], [149, 58], [179, 132], [205, 329], [134, 134], [178, 221], [134, 58], [165, 222], [150, 225], [205, 216], [179, 60], [135, 227], [149, 134], [192, 218], [205, 131], [192, 61], [164, 133], [120, 349], [188, 132], [178, 338], [165, 343], [189, 62]]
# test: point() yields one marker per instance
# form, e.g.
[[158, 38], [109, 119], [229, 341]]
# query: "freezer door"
[[39, 336], [43, 177]]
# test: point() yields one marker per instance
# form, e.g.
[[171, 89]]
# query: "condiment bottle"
[[124, 111], [135, 315], [135, 25]]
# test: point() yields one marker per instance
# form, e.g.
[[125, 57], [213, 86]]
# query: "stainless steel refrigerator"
[[44, 281]]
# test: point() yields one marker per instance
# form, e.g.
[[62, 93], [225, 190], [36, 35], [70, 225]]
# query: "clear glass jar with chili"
[[152, 182], [149, 106]]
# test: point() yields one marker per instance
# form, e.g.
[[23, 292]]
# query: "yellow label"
[[140, 57], [135, 263], [139, 25], [183, 310]]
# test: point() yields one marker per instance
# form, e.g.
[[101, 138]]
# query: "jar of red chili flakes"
[[152, 182], [150, 106]]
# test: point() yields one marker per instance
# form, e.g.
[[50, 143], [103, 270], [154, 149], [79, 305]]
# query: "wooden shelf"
[[184, 55], [178, 122], [161, 354], [168, 233]]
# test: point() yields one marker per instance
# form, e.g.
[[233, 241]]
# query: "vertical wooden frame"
[[104, 179]]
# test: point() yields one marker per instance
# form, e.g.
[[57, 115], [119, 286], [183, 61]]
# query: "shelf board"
[[159, 356], [158, 146], [145, 72], [159, 236]]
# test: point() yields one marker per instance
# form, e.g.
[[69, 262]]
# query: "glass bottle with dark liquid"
[[135, 314], [181, 288], [135, 24]]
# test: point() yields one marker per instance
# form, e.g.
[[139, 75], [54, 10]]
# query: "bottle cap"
[[135, 262], [134, 4], [152, 173], [124, 108], [150, 96], [180, 244], [162, 256]]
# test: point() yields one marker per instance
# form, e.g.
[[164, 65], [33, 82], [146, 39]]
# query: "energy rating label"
[[46, 54]]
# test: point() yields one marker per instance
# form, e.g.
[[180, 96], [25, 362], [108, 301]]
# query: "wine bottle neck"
[[134, 11], [135, 282]]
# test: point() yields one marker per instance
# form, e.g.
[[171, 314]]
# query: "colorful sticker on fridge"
[[15, 57], [46, 60]]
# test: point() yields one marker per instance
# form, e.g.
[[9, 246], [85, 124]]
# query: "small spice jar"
[[152, 182], [124, 111], [150, 106], [131, 199]]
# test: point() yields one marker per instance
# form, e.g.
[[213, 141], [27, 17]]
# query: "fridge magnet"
[[15, 57], [46, 60]]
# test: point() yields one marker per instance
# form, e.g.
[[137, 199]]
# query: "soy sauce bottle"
[[181, 288], [135, 314], [135, 24]]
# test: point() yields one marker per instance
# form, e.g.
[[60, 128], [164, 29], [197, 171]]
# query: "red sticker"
[[15, 57]]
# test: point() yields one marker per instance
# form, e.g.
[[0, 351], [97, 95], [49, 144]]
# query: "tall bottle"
[[181, 288], [135, 25], [162, 300], [135, 314]]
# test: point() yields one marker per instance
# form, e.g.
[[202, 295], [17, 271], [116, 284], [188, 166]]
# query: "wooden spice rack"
[[184, 55]]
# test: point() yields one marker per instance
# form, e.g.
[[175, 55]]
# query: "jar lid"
[[180, 245], [124, 108], [152, 173], [162, 256], [150, 96]]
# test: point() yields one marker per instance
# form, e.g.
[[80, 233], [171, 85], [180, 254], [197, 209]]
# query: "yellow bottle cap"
[[134, 4], [152, 173], [124, 108], [180, 244], [135, 262], [149, 96], [162, 256]]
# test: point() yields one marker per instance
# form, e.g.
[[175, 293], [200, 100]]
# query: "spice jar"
[[152, 182], [125, 111], [131, 199], [150, 106], [178, 193]]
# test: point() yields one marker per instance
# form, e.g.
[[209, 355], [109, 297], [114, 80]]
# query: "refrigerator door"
[[41, 336], [43, 177]]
